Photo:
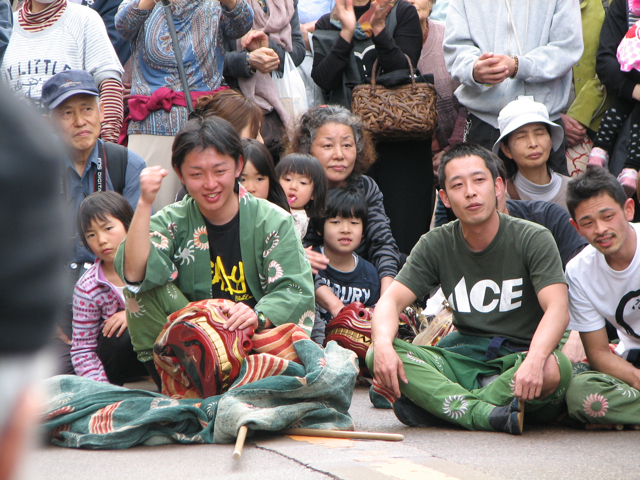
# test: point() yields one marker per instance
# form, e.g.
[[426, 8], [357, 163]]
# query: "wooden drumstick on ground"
[[314, 432], [242, 436]]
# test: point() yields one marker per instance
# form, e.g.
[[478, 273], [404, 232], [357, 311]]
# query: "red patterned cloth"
[[141, 106], [386, 393]]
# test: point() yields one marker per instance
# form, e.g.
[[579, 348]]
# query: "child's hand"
[[116, 323], [317, 260], [150, 181]]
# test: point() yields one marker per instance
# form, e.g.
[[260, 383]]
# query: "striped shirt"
[[95, 300], [76, 40], [113, 108], [35, 22]]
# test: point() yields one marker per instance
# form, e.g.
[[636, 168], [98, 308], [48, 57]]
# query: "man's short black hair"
[[100, 205], [467, 150], [594, 182], [345, 202], [202, 133], [500, 167]]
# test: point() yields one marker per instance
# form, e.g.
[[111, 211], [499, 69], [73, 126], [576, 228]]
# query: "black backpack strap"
[[116, 165]]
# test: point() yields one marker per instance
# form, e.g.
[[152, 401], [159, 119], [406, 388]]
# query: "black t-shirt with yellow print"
[[227, 270]]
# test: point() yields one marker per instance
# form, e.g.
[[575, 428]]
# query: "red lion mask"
[[193, 351], [351, 329]]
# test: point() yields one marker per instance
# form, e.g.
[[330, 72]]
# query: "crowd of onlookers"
[[108, 73], [550, 87]]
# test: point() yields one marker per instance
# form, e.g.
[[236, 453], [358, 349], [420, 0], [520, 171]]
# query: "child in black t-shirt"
[[348, 277]]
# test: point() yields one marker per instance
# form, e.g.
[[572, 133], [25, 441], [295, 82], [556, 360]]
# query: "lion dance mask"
[[195, 356], [351, 329]]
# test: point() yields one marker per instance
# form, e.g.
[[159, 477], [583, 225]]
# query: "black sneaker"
[[414, 416], [509, 418]]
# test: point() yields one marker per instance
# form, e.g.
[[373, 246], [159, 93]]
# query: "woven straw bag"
[[396, 114]]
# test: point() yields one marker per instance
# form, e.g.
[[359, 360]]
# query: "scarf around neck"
[[35, 22], [276, 22]]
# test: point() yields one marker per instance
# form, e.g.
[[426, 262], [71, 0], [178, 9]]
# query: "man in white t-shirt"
[[604, 284]]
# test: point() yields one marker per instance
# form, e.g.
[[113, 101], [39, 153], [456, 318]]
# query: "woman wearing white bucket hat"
[[527, 138]]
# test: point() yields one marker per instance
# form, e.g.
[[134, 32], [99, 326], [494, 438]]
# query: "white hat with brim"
[[522, 112]]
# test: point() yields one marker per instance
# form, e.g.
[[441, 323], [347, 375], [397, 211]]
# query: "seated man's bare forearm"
[[384, 325], [602, 359], [554, 301], [137, 245]]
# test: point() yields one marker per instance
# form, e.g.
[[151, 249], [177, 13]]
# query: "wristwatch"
[[262, 320]]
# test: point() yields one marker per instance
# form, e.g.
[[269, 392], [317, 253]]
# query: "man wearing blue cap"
[[72, 100]]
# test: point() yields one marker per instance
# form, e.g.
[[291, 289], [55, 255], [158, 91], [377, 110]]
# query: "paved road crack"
[[327, 474]]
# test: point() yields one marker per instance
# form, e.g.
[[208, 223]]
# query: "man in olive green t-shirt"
[[504, 282]]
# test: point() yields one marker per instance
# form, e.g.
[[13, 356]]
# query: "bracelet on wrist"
[[249, 67], [515, 69]]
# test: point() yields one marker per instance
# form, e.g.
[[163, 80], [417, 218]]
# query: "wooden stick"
[[313, 432], [242, 436]]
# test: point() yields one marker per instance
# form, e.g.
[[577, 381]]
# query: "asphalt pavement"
[[549, 452]]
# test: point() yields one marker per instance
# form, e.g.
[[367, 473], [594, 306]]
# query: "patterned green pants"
[[447, 384], [595, 397], [147, 313]]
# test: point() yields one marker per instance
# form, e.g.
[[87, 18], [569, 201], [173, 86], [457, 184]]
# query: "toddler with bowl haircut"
[[350, 277]]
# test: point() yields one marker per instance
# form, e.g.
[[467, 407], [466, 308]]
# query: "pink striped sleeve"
[[87, 321]]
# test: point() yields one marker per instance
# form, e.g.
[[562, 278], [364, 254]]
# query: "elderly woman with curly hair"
[[336, 137]]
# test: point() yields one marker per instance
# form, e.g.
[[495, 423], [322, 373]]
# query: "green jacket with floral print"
[[277, 270]]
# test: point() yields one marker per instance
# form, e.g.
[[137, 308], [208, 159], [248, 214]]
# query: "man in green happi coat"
[[218, 242]]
